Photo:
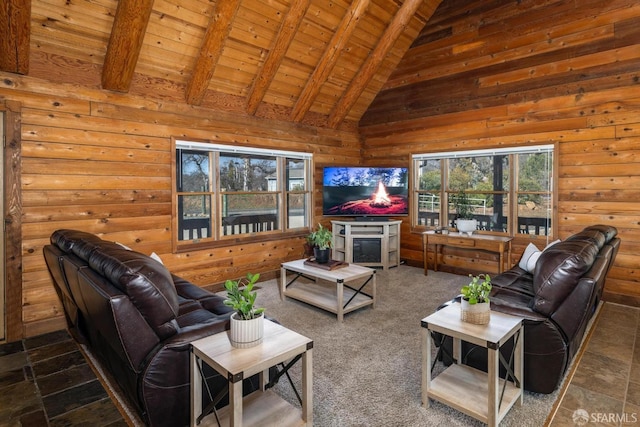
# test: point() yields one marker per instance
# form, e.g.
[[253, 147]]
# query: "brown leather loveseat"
[[138, 319], [556, 297]]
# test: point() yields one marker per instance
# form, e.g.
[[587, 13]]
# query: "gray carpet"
[[366, 370]]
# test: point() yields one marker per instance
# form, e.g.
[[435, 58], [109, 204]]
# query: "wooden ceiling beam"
[[268, 70], [15, 33], [125, 43], [376, 58], [211, 49], [329, 58]]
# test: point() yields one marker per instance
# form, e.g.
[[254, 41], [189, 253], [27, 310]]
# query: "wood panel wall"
[[101, 162], [482, 74], [493, 73]]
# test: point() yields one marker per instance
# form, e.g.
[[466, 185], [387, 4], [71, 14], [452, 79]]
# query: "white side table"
[[481, 395], [261, 407]]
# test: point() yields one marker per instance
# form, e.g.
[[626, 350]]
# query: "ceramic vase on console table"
[[466, 225]]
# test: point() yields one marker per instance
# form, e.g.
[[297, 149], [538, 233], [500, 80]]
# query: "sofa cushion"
[[515, 280], [529, 257], [558, 270], [147, 283]]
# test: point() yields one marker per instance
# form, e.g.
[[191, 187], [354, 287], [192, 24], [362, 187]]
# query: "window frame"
[[219, 237], [512, 193]]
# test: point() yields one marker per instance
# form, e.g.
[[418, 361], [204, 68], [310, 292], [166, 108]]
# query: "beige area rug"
[[367, 370]]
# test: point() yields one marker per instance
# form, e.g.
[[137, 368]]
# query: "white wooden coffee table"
[[261, 407], [339, 299], [481, 395]]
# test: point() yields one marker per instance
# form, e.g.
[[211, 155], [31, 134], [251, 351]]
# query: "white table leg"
[[426, 366], [518, 364], [235, 403], [307, 387], [340, 292], [493, 395], [373, 294], [283, 282], [196, 387]]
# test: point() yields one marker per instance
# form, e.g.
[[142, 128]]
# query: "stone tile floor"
[[45, 380], [605, 389]]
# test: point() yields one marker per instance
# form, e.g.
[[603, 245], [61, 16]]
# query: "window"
[[225, 192], [497, 185]]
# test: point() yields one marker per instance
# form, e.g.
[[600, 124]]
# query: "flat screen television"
[[365, 191]]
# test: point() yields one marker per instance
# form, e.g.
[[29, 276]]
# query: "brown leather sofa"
[[557, 300], [138, 319]]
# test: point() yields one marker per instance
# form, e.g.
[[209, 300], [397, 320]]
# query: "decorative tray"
[[331, 265]]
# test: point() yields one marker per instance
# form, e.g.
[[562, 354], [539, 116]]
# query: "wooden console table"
[[484, 242]]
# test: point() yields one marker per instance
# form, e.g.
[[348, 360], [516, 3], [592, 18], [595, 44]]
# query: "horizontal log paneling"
[[481, 74], [101, 162], [504, 73]]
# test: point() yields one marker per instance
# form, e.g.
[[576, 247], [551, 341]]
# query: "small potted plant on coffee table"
[[322, 239], [475, 307], [247, 326]]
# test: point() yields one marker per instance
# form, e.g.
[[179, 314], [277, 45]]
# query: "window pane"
[[534, 196], [534, 171], [194, 219], [247, 173], [249, 213], [429, 175], [297, 210], [485, 173], [295, 175], [194, 168], [535, 219], [490, 210]]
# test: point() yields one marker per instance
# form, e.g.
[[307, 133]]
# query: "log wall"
[[482, 74], [492, 73], [101, 162]]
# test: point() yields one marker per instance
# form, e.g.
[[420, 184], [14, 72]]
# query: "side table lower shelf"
[[466, 389], [260, 408]]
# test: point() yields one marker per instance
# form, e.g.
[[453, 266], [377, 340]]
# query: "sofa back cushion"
[[558, 271], [145, 281]]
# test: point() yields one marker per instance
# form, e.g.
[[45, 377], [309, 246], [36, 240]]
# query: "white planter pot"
[[478, 314], [466, 225], [246, 333]]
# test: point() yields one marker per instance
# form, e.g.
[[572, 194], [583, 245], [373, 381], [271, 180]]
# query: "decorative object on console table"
[[247, 323], [465, 222], [475, 307], [322, 239]]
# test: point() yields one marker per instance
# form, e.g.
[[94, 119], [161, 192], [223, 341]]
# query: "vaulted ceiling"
[[319, 62]]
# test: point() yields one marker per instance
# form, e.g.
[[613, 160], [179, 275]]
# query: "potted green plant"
[[247, 326], [475, 307], [465, 222], [322, 239]]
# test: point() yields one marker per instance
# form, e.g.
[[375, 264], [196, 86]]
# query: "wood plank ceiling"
[[318, 62]]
